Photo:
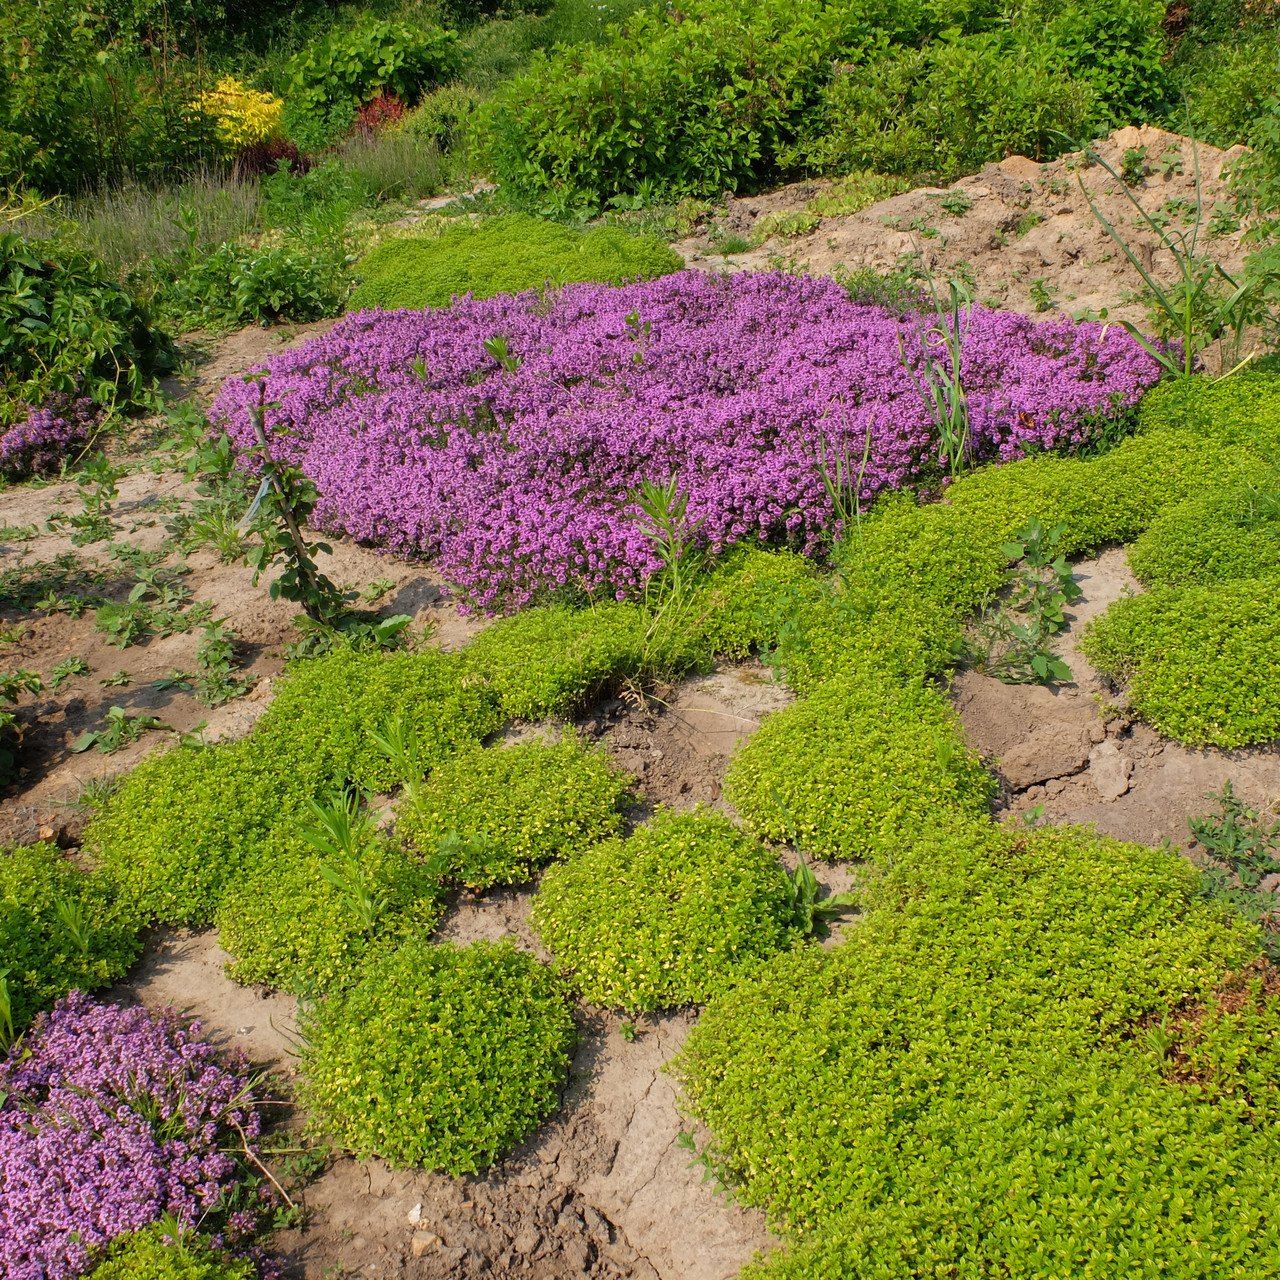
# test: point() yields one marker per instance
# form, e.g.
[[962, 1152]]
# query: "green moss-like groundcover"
[[148, 1255], [507, 254]]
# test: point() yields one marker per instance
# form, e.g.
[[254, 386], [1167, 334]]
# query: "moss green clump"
[[287, 925], [1200, 664], [513, 809], [147, 1255], [988, 1073], [60, 929], [439, 1056], [858, 769], [667, 917], [507, 254]]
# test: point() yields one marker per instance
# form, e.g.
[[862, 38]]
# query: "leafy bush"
[[149, 1255], [59, 929], [66, 329], [858, 769], [1200, 664], [439, 1056], [514, 809], [669, 916], [288, 924], [921, 1099], [502, 255]]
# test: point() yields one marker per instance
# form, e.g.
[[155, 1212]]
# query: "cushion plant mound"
[[858, 769], [149, 1255], [506, 254], [512, 809], [59, 929], [1016, 1064], [439, 1056], [1201, 664], [667, 917], [287, 924]]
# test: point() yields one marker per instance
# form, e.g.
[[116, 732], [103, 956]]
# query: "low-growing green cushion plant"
[[439, 1056], [286, 924], [858, 769], [60, 929], [667, 917], [513, 809], [985, 1077], [507, 254], [148, 1255], [1200, 664]]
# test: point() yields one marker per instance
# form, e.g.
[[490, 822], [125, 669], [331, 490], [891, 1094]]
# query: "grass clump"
[[60, 929], [667, 917], [152, 1255], [507, 254], [439, 1056], [497, 814], [948, 1090], [1200, 664], [858, 769]]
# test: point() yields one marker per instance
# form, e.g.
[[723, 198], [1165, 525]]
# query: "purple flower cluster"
[[44, 439], [110, 1119], [520, 481]]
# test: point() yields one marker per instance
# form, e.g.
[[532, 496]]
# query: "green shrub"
[[973, 1082], [667, 917], [439, 1056], [148, 1255], [514, 809], [1200, 664], [502, 255], [858, 769], [59, 929], [444, 118], [286, 924], [66, 327]]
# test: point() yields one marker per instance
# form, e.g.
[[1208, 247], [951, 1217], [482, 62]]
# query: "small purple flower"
[[46, 437]]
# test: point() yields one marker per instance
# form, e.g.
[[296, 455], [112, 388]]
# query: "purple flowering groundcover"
[[515, 464], [110, 1119]]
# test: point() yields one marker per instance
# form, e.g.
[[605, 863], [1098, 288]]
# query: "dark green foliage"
[[59, 929], [667, 917], [858, 768], [503, 255], [65, 327], [988, 1069], [285, 924], [512, 809], [149, 1255], [439, 1056], [1200, 664]]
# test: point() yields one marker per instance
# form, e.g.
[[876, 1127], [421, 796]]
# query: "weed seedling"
[[65, 669], [1133, 166], [339, 831], [956, 203], [119, 730]]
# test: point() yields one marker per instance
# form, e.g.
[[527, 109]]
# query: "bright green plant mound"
[[667, 917], [1014, 1065], [300, 922], [497, 814], [857, 769], [149, 1256], [439, 1056], [186, 825], [507, 254], [1200, 664], [59, 929]]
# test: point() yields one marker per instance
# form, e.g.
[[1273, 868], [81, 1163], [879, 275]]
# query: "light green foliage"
[[439, 1056], [506, 254], [1200, 664], [59, 928], [859, 768], [186, 825], [286, 924], [148, 1255], [978, 1074], [667, 917], [514, 809]]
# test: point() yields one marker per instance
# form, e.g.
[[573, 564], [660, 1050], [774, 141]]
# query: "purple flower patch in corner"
[[516, 470], [44, 439]]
